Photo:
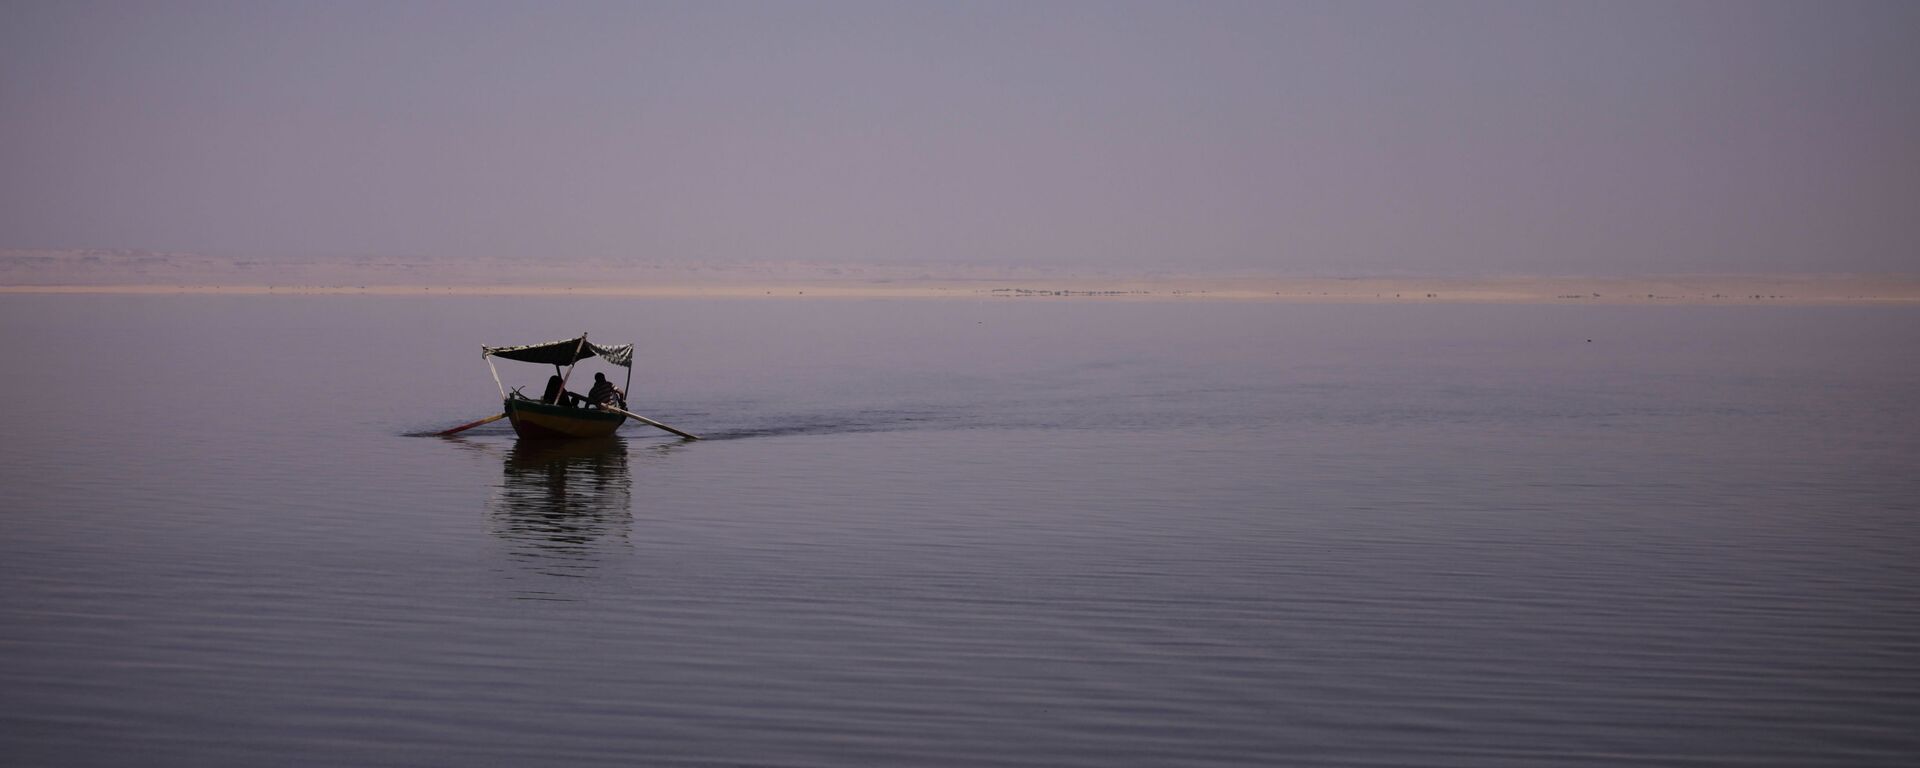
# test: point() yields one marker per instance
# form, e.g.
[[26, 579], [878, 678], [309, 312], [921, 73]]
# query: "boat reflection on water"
[[564, 504]]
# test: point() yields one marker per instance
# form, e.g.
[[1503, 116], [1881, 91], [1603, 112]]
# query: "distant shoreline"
[[83, 271], [1690, 290]]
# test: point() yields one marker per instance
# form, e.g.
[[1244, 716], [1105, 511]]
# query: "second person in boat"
[[604, 393]]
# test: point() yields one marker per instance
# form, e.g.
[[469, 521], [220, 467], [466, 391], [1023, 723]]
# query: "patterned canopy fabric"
[[564, 352]]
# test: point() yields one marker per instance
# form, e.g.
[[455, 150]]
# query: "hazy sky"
[[1431, 137]]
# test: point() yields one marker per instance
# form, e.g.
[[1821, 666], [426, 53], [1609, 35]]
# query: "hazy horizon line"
[[928, 269]]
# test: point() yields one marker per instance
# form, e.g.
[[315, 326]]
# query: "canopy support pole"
[[576, 361], [496, 377]]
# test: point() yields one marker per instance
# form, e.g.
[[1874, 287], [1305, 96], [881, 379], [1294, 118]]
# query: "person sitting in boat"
[[557, 393], [605, 393]]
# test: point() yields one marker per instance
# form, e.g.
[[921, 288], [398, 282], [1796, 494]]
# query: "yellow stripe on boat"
[[533, 419]]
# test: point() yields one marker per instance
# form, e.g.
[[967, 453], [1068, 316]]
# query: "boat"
[[552, 416], [557, 413], [534, 419]]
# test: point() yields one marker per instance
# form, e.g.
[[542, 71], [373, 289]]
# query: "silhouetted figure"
[[604, 392], [557, 393]]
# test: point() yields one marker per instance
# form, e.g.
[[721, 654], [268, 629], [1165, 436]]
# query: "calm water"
[[962, 533]]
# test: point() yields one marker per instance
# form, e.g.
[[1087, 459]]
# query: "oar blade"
[[645, 420], [471, 425]]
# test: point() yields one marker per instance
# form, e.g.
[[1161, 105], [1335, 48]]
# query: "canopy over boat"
[[564, 352]]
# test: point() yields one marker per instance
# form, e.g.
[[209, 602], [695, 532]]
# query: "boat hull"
[[540, 421]]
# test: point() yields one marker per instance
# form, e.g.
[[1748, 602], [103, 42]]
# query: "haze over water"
[[972, 532], [1475, 383]]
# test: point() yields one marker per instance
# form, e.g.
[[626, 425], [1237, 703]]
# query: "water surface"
[[1026, 532]]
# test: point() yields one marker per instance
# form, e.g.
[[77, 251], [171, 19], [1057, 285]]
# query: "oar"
[[465, 427], [645, 420]]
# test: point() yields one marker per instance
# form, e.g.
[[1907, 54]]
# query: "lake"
[[1046, 532]]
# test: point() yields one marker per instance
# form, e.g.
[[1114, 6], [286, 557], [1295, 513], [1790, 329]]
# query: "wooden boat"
[[557, 413], [554, 416], [534, 419]]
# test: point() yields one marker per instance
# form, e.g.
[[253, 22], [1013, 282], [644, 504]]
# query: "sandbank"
[[141, 272]]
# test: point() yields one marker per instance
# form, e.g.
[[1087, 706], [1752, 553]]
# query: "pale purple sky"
[[1428, 137]]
